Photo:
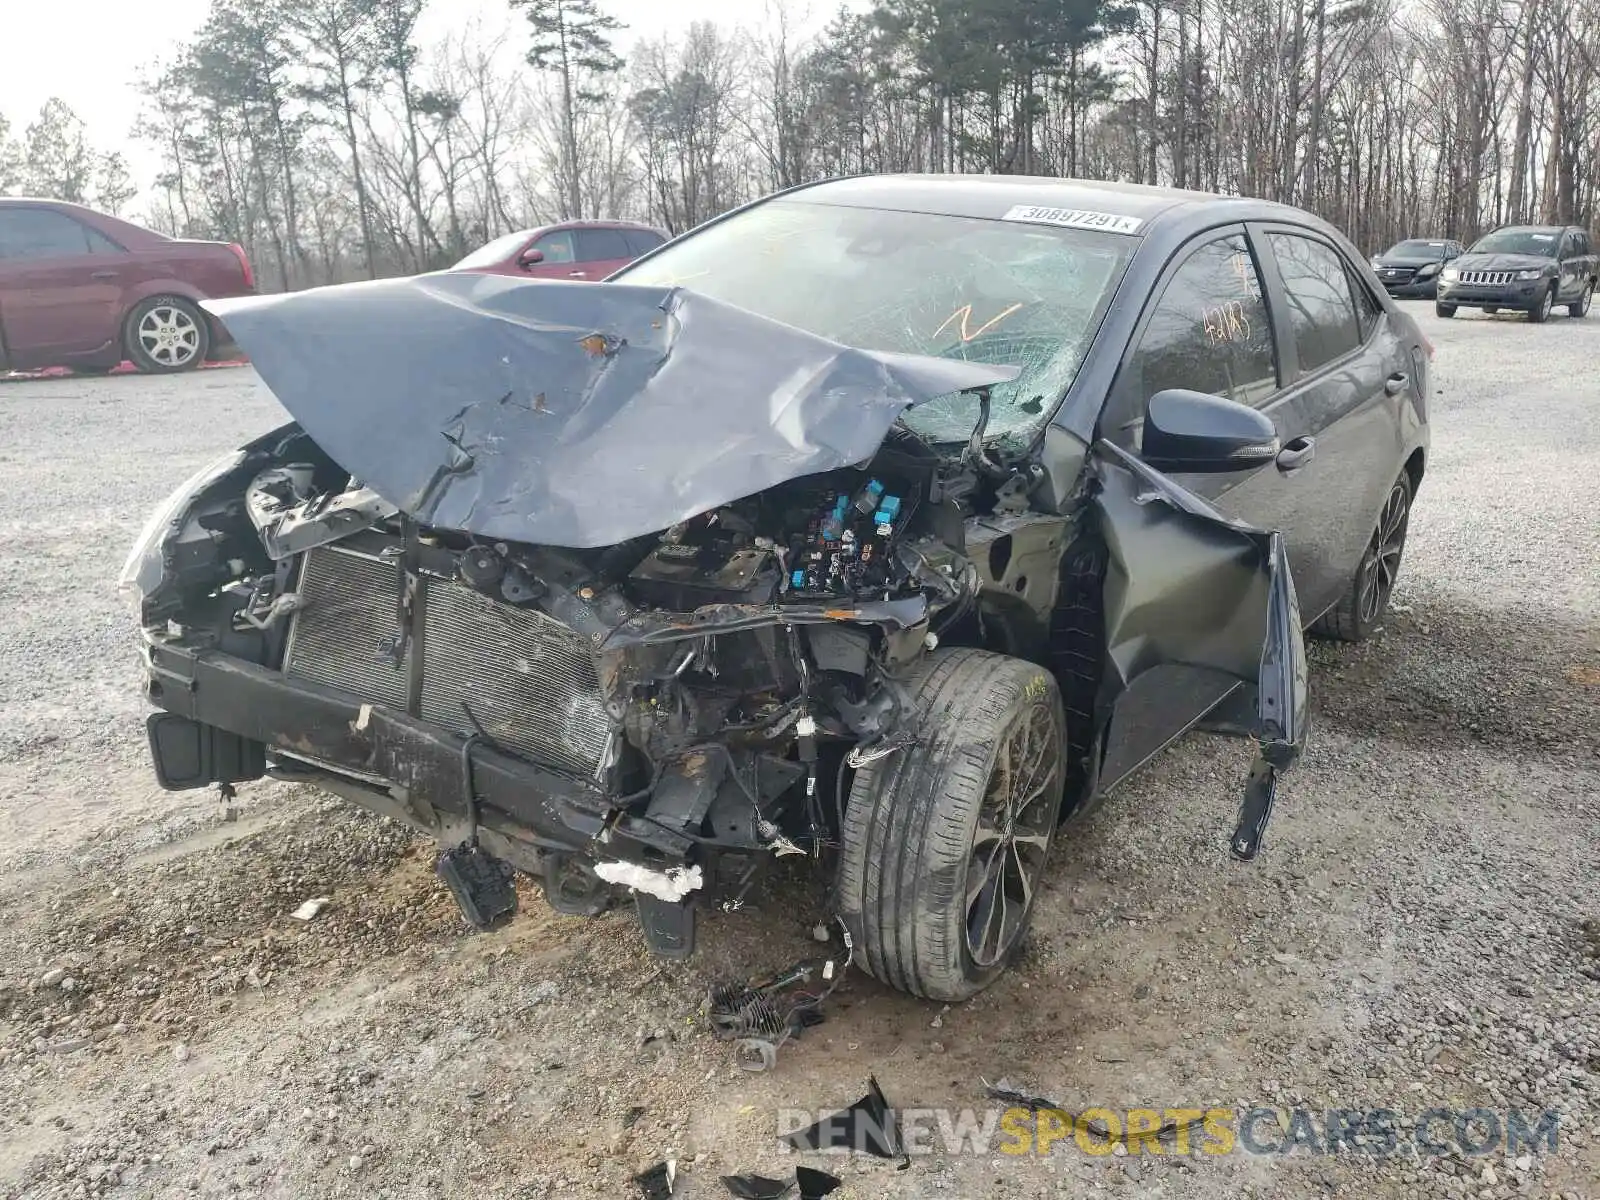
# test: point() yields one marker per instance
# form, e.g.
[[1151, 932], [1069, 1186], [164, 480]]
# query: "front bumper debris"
[[400, 766]]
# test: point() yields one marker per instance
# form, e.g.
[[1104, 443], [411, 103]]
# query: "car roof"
[[42, 202], [1531, 228], [993, 196], [588, 224]]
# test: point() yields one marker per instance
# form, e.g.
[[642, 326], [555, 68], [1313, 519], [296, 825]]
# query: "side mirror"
[[1193, 431], [529, 257]]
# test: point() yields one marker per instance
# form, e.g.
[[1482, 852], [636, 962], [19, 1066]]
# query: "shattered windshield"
[[988, 291], [1541, 242]]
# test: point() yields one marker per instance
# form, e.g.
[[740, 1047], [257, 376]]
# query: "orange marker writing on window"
[[964, 315]]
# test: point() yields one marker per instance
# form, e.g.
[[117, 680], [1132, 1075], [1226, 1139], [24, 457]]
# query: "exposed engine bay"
[[712, 682]]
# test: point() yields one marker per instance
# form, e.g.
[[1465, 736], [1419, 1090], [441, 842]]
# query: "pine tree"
[[570, 40]]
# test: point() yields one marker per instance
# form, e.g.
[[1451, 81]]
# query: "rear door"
[[602, 251], [1346, 371], [1574, 274], [60, 286]]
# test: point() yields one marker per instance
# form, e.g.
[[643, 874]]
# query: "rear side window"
[[1209, 332], [1368, 310], [598, 245], [99, 243], [642, 241], [40, 233], [1321, 312]]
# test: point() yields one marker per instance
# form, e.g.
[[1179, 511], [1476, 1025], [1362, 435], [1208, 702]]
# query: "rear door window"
[[40, 233], [1321, 314], [602, 245], [642, 241]]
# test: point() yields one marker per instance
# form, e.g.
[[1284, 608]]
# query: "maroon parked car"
[[570, 250], [85, 290]]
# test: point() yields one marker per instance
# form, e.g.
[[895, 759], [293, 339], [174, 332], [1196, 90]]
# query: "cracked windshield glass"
[[1024, 295]]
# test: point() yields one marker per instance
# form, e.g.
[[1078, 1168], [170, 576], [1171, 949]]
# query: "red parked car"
[[570, 250], [85, 290]]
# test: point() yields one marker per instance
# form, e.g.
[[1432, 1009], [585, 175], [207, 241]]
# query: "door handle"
[[104, 275], [1395, 384], [1296, 454]]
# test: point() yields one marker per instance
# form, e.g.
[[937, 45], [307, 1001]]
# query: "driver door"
[[1207, 329]]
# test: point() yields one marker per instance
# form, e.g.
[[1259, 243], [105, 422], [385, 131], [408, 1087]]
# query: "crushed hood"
[[571, 414]]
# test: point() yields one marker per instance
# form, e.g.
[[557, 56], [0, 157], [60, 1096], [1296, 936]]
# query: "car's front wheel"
[[1444, 310], [165, 334], [1542, 307], [944, 844], [1363, 605], [1580, 306]]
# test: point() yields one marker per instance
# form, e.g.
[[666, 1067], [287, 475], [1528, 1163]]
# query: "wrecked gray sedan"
[[887, 522]]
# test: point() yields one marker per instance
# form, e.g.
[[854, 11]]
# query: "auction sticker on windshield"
[[1074, 218]]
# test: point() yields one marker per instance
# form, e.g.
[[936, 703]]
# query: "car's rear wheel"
[[943, 845], [1363, 606], [1444, 310], [165, 334], [1540, 312], [1580, 306]]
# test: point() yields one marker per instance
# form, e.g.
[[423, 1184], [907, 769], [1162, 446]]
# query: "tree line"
[[332, 143]]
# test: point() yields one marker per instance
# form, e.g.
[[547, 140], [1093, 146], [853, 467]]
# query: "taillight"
[[244, 265], [1427, 346]]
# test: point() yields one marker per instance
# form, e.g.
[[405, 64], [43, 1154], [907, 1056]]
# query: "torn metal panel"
[[1188, 585], [656, 628], [290, 529], [572, 414]]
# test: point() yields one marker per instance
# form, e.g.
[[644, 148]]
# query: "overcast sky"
[[89, 52]]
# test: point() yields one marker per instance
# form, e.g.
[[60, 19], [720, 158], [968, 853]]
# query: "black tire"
[[1363, 605], [1491, 309], [1580, 306], [1444, 310], [1543, 306], [912, 832], [164, 334]]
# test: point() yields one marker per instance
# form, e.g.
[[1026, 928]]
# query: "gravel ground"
[[1422, 930]]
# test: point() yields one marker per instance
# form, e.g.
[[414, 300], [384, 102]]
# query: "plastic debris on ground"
[[815, 1184], [309, 910], [655, 1183], [868, 1126]]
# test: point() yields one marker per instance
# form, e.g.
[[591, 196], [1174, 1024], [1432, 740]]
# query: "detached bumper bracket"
[[481, 885]]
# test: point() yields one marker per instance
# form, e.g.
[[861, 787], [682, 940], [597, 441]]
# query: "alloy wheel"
[[1015, 825], [1382, 564], [169, 336]]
